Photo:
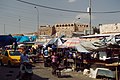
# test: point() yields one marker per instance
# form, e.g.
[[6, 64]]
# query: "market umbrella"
[[7, 40], [56, 41]]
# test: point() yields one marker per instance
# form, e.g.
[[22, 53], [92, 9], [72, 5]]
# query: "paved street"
[[41, 73]]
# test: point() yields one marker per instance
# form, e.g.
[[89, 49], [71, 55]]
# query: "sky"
[[21, 17]]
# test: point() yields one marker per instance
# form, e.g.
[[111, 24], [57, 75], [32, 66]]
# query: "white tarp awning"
[[56, 41], [80, 48], [72, 42], [89, 45]]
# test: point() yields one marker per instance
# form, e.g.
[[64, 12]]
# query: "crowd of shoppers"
[[61, 58]]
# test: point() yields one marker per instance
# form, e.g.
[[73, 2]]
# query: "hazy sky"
[[19, 17]]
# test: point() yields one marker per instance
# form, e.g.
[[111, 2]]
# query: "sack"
[[61, 66], [70, 60]]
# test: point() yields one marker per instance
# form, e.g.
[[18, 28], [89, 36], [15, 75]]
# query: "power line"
[[14, 7], [64, 9], [108, 12], [52, 7], [24, 11]]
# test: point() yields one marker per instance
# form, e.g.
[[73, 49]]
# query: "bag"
[[61, 66]]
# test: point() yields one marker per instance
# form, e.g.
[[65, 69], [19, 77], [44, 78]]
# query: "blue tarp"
[[6, 40], [32, 38], [25, 38], [17, 38]]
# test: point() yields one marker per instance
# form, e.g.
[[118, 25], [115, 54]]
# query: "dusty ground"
[[41, 73]]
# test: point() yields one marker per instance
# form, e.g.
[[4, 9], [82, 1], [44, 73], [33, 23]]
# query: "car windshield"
[[15, 53], [106, 73]]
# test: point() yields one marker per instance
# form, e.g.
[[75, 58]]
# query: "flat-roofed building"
[[46, 30], [69, 28], [109, 28], [66, 29]]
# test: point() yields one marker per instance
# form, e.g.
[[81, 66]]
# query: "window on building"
[[65, 25], [71, 24], [57, 25]]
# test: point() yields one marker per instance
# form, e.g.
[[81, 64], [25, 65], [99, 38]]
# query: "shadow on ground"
[[35, 77], [7, 73], [66, 76]]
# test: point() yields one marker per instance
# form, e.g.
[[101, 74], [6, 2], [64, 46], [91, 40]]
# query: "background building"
[[109, 28], [46, 30], [67, 29]]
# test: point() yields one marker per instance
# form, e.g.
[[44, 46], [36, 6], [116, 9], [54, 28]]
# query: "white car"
[[101, 73]]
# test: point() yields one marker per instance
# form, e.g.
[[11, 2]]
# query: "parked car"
[[10, 57], [102, 73]]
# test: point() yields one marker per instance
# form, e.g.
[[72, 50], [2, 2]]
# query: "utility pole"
[[75, 22], [37, 21], [4, 29], [90, 15], [89, 11], [19, 25]]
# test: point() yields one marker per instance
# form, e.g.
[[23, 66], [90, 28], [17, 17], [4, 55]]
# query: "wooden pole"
[[116, 73]]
